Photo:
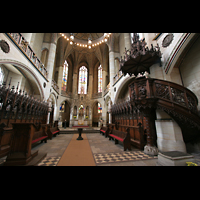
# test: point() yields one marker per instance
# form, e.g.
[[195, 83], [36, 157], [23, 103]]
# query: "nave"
[[102, 149], [104, 152]]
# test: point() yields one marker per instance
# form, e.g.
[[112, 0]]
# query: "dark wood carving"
[[139, 58], [146, 95], [17, 106]]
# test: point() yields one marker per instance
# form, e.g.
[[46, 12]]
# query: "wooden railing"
[[147, 93], [26, 48]]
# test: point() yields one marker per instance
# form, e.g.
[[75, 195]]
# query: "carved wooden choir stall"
[[22, 123], [148, 94]]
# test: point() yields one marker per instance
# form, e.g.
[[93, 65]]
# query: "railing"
[[117, 77], [23, 44], [55, 86], [162, 91], [106, 90], [147, 95]]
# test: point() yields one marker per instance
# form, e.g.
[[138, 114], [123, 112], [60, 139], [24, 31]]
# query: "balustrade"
[[26, 48]]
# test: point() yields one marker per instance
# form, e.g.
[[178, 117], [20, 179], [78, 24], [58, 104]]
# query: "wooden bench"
[[40, 136], [103, 129], [123, 137], [5, 139], [52, 131]]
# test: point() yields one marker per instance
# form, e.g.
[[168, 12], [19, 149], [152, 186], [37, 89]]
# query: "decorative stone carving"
[[4, 46], [167, 40]]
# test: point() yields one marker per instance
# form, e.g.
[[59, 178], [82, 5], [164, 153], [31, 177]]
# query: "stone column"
[[91, 85], [75, 88], [112, 72], [109, 111], [50, 63], [60, 74], [127, 40]]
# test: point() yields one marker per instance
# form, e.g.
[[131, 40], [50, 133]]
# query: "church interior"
[[99, 99]]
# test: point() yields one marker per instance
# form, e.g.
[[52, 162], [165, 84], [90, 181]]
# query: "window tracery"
[[83, 76], [65, 75], [99, 79]]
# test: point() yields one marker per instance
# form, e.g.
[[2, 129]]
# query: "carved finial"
[[9, 82], [17, 87]]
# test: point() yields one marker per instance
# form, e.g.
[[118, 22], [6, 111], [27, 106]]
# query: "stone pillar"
[[127, 40], [169, 134], [60, 74], [90, 86], [50, 63], [109, 111], [75, 87], [112, 72]]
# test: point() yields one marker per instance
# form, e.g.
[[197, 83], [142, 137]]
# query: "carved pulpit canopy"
[[139, 58]]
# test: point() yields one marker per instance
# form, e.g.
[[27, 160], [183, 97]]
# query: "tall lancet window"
[[83, 76], [65, 74], [99, 79]]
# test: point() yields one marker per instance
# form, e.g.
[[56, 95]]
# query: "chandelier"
[[89, 43]]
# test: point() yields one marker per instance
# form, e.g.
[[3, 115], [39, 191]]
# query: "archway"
[[96, 114], [123, 90], [64, 113], [26, 78]]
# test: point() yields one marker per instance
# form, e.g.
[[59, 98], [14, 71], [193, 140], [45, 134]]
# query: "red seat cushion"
[[116, 137], [38, 139], [103, 131], [55, 132]]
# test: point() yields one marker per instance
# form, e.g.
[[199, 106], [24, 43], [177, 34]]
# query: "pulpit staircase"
[[147, 95]]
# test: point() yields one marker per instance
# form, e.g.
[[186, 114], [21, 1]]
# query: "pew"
[[137, 134], [121, 136], [103, 129], [52, 131], [5, 140], [21, 153], [40, 135]]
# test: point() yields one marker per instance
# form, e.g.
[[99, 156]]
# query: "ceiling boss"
[[86, 40]]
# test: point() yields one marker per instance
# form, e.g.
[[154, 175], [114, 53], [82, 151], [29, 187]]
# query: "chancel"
[[99, 99]]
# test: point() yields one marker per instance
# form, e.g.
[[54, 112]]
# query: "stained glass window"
[[65, 74], [99, 108], [99, 79], [82, 86], [1, 76]]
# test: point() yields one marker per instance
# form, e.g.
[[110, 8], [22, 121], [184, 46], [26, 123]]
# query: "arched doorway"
[[64, 113], [96, 114]]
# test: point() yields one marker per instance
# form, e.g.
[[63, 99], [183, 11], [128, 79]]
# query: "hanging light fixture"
[[73, 41], [89, 42], [71, 38]]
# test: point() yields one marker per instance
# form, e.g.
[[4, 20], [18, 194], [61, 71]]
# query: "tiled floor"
[[107, 153], [121, 157]]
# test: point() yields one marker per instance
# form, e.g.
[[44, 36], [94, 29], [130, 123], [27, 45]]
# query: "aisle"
[[78, 153]]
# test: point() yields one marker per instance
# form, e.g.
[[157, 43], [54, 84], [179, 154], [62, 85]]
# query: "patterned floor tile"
[[122, 156], [49, 161]]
